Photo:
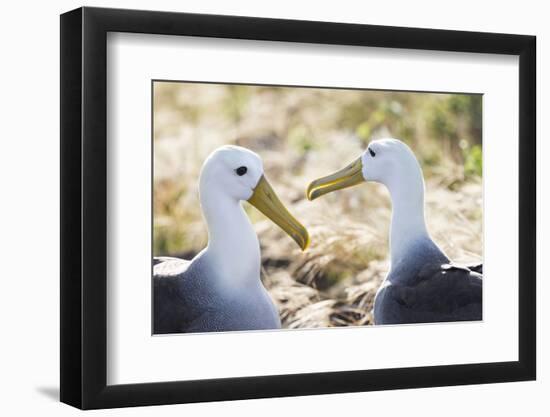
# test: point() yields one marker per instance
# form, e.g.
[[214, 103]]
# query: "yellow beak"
[[265, 200], [347, 177]]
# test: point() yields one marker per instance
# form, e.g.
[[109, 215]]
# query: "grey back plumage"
[[187, 298], [441, 293], [427, 288]]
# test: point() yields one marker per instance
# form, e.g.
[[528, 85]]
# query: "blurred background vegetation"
[[301, 134]]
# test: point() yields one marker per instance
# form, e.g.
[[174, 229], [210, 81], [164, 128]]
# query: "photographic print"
[[283, 207], [329, 185]]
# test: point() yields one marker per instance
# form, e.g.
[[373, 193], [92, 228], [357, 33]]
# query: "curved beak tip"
[[305, 246], [311, 192], [312, 195], [267, 202], [301, 237]]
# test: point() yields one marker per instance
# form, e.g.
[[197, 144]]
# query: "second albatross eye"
[[372, 153], [241, 171]]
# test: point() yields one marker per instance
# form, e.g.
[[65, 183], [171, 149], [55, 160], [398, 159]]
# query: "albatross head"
[[386, 161], [236, 174], [393, 164]]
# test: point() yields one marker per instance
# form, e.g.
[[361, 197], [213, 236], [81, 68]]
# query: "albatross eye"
[[372, 153], [241, 171]]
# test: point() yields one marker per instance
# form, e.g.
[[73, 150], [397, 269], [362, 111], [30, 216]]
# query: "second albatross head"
[[386, 161], [237, 174]]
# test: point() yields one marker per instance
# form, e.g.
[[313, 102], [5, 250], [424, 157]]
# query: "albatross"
[[220, 289], [422, 285]]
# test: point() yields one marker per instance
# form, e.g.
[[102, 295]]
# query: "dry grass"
[[303, 134]]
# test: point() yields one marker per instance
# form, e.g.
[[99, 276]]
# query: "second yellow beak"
[[347, 177]]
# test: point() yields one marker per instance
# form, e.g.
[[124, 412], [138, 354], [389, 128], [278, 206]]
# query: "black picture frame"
[[84, 207]]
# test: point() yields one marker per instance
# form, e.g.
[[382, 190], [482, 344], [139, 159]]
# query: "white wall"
[[29, 160]]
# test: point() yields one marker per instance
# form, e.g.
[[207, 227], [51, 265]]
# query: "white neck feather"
[[408, 225], [233, 247]]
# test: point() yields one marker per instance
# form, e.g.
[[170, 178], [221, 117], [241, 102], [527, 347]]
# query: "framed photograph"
[[257, 208]]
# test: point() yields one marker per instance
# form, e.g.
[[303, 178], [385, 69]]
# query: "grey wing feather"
[[476, 268], [439, 294], [186, 300], [170, 311]]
